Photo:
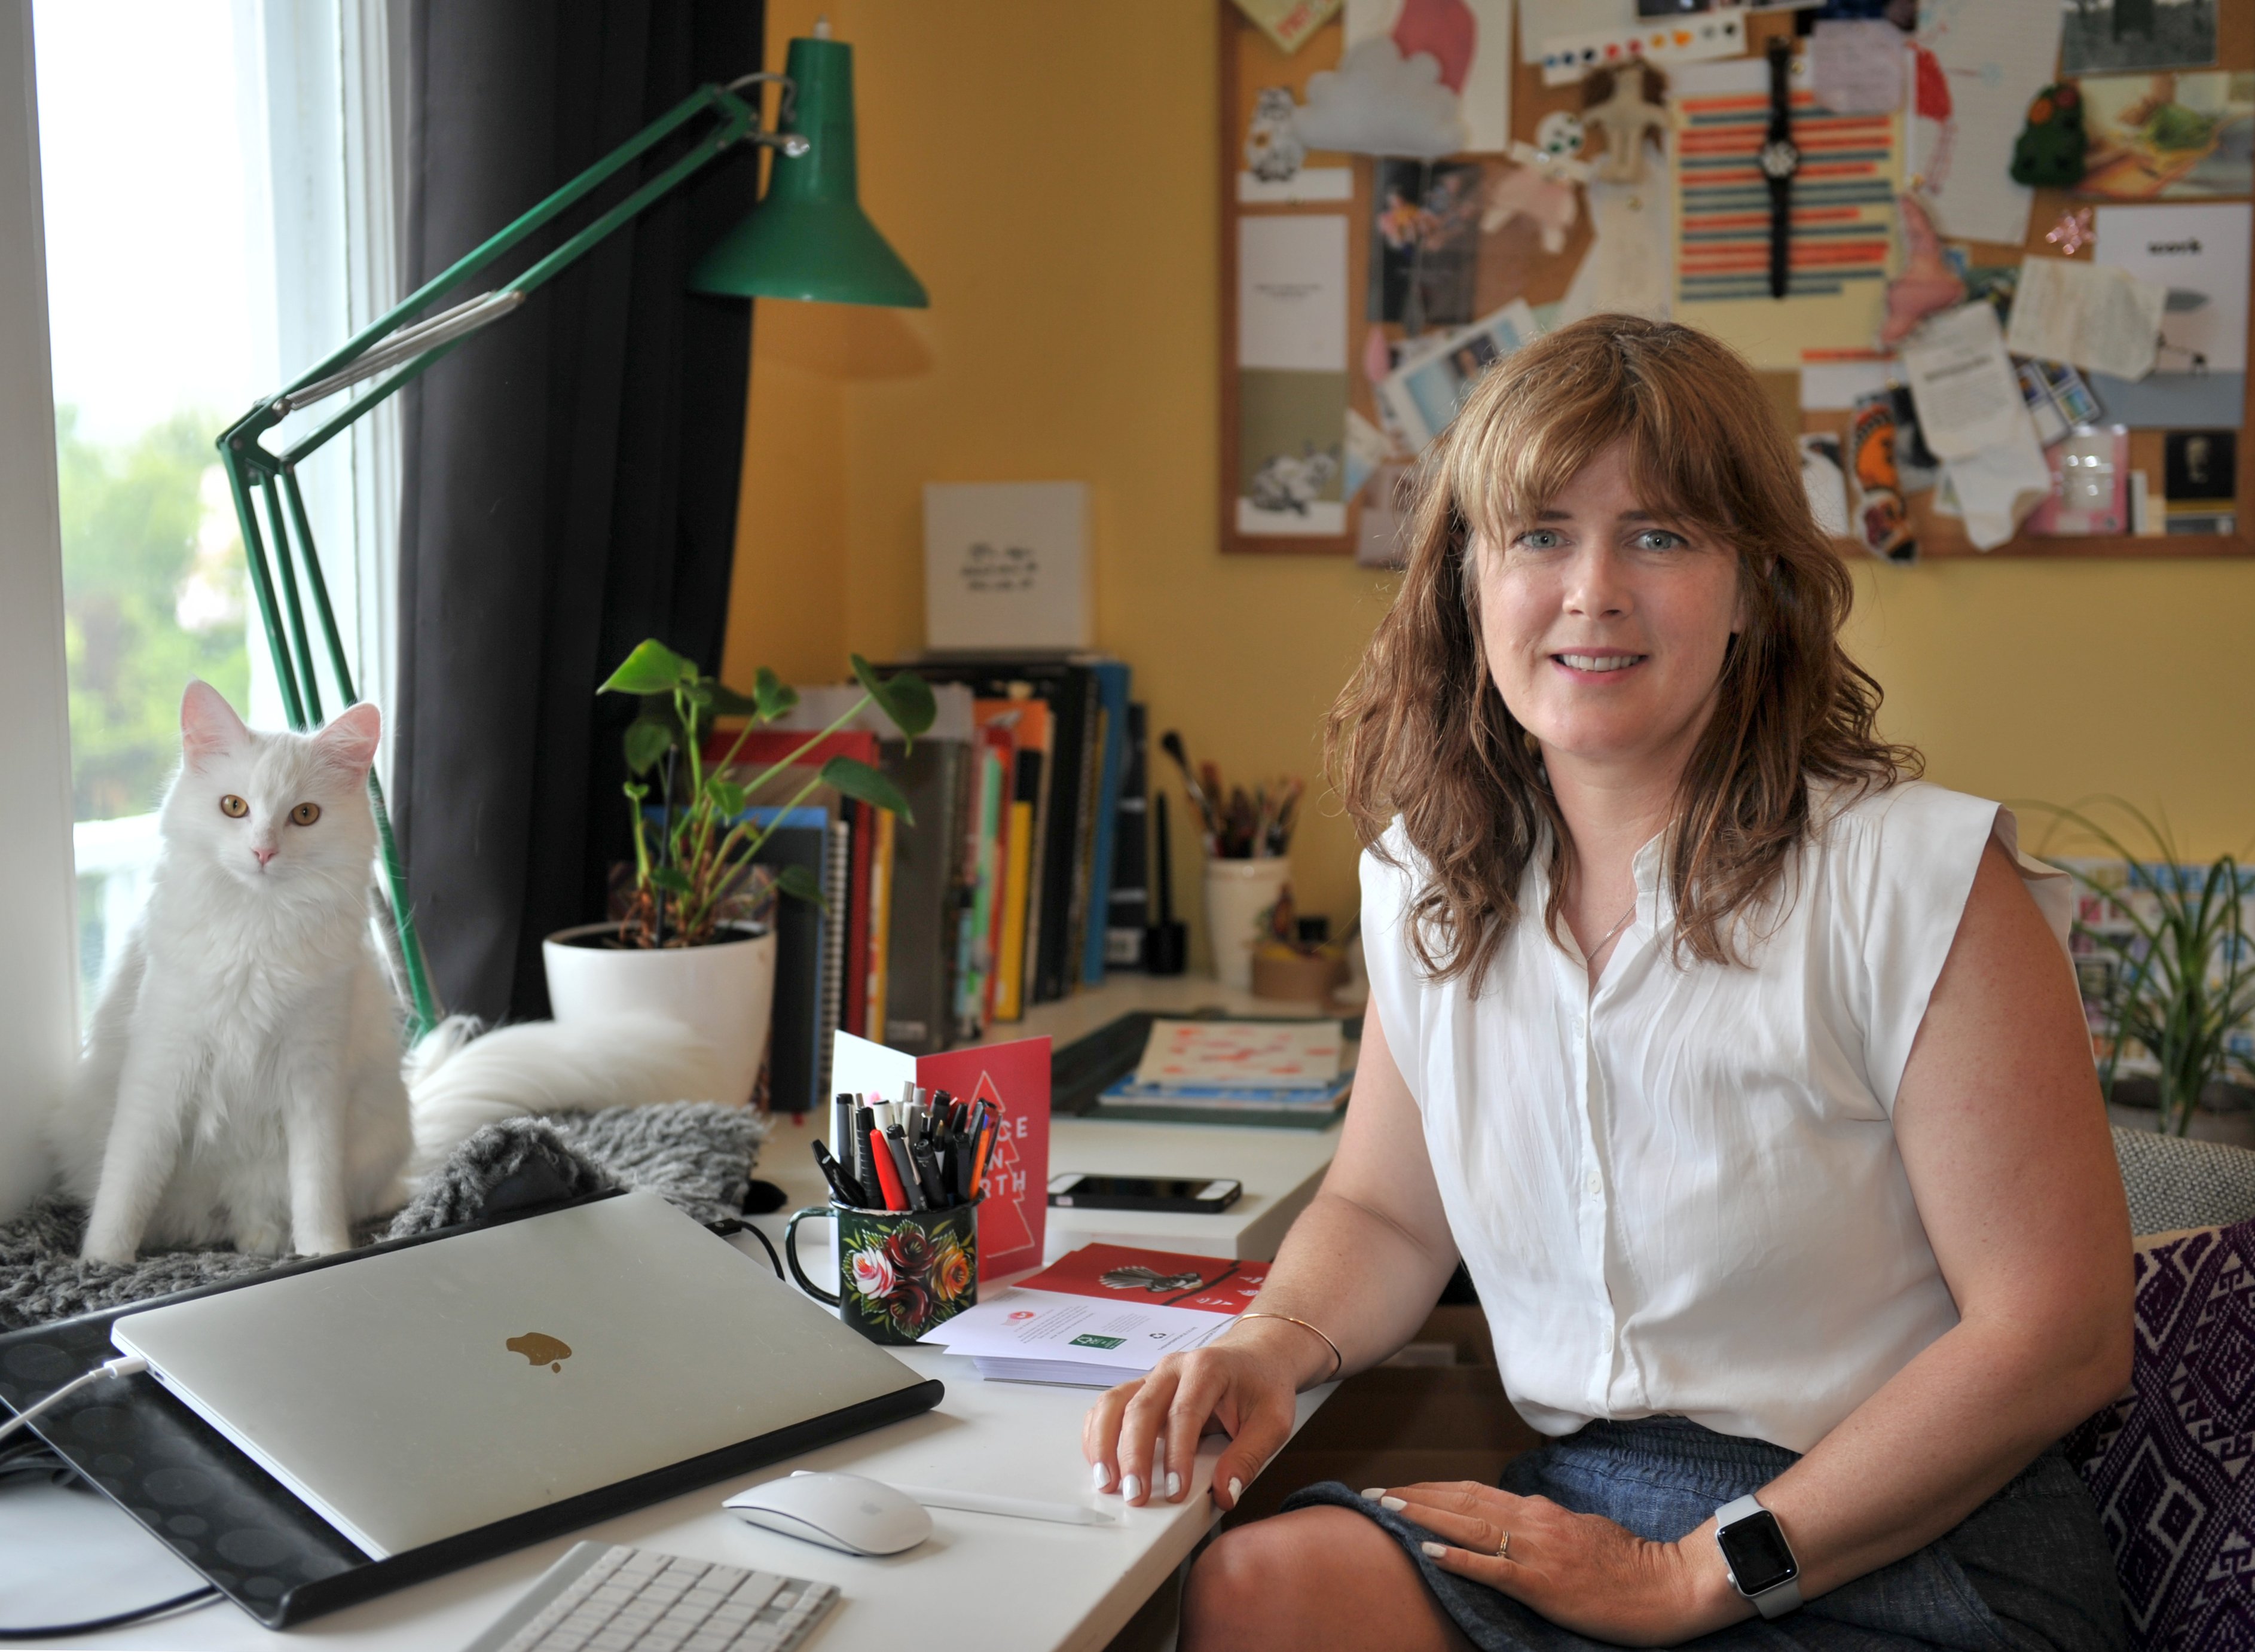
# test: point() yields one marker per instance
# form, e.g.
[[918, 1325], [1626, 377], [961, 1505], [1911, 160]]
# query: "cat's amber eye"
[[233, 807], [305, 814]]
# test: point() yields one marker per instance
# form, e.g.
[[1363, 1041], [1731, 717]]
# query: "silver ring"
[[1504, 1551]]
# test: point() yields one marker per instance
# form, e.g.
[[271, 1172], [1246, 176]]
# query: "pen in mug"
[[898, 1144], [888, 1180], [864, 1162]]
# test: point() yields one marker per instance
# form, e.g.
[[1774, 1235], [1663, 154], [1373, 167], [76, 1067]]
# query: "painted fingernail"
[[1434, 1550], [1102, 1476], [1371, 1493], [1395, 1503], [1174, 1486], [1131, 1488], [1236, 1492]]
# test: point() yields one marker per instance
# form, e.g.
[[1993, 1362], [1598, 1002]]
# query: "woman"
[[1743, 1070]]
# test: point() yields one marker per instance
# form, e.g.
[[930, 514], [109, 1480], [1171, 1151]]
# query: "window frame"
[[38, 967]]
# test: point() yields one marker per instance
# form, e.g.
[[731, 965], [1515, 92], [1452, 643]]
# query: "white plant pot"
[[1240, 896], [725, 992]]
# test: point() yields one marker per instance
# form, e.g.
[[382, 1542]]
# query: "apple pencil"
[[1018, 1508]]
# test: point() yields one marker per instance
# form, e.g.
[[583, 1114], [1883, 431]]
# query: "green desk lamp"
[[808, 239]]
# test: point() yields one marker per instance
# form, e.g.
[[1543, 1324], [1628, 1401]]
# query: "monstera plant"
[[697, 855]]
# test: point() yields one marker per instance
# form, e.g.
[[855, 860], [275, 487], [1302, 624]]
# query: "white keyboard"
[[607, 1598]]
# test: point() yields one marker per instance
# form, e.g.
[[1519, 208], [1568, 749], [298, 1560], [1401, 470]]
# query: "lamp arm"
[[396, 340], [738, 120]]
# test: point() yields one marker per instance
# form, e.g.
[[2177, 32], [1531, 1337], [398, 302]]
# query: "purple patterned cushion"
[[2171, 1462]]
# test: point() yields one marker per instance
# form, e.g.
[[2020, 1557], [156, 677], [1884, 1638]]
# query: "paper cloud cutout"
[[1377, 103]]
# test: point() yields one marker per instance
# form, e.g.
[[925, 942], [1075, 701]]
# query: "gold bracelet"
[[1339, 1359]]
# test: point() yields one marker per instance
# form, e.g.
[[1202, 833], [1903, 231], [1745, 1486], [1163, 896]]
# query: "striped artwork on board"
[[1842, 201]]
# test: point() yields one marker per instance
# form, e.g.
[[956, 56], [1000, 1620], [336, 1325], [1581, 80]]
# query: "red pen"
[[896, 1196], [979, 1161]]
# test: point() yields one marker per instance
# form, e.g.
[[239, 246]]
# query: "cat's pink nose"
[[264, 854]]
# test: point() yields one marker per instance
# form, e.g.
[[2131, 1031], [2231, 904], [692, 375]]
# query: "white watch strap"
[[1773, 1602]]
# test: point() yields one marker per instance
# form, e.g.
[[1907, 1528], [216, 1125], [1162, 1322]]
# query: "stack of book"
[[1293, 1073], [1005, 889], [1038, 803]]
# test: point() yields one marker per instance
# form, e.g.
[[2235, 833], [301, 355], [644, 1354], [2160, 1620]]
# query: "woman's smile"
[[1584, 666]]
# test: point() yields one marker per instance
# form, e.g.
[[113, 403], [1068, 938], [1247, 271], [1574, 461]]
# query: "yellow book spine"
[[1010, 994], [881, 926]]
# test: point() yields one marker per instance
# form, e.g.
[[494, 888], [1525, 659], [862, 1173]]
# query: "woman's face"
[[1605, 625]]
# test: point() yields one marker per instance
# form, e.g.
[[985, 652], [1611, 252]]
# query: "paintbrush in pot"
[[1171, 743]]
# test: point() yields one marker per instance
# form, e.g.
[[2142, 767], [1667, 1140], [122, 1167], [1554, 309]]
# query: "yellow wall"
[[1048, 169]]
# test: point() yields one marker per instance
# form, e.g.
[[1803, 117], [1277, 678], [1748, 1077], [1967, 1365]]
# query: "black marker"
[[865, 1158], [842, 1186], [928, 1175]]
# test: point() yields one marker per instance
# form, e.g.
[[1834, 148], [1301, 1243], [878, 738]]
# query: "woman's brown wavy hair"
[[1420, 734]]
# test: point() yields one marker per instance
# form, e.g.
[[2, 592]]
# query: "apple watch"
[[1761, 1561]]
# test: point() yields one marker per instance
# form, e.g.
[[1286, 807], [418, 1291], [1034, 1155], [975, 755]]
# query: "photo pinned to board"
[[1276, 172], [2200, 480], [1424, 243], [2196, 254], [2169, 136], [2100, 35], [1291, 429], [1422, 395]]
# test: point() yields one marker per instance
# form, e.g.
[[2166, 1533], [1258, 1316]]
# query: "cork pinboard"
[[1514, 264]]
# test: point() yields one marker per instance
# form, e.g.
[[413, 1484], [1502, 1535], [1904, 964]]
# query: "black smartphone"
[[1196, 1194]]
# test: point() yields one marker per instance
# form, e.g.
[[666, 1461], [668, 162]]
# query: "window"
[[220, 214]]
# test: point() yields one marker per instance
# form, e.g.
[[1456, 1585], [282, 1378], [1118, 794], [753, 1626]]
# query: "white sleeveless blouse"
[[1680, 1193]]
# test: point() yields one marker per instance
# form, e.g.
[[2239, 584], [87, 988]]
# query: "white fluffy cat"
[[242, 1078]]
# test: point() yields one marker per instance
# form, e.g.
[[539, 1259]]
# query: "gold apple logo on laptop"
[[541, 1349]]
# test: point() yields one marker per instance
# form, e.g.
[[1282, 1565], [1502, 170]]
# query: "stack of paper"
[[1102, 1315], [1302, 1070]]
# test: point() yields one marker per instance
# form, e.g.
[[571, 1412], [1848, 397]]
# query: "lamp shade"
[[809, 238]]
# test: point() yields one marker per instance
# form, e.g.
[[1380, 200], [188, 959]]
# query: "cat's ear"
[[208, 725], [348, 739]]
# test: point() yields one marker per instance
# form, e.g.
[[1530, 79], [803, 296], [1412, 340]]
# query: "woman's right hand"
[[1243, 1385]]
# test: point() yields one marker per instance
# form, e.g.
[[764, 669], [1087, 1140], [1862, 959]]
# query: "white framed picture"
[[1006, 566]]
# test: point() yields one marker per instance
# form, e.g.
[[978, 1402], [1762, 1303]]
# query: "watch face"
[[1779, 159], [1758, 1557]]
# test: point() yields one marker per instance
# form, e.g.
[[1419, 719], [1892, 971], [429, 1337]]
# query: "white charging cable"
[[125, 1364]]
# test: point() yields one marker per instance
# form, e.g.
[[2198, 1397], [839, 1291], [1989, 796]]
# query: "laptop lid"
[[409, 1397]]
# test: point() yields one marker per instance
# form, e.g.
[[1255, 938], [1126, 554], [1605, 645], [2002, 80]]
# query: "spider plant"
[[2184, 976], [705, 843]]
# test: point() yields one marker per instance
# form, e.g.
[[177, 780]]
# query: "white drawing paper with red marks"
[[1252, 1055]]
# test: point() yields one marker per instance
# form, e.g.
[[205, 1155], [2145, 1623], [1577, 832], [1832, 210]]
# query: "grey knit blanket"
[[696, 1155]]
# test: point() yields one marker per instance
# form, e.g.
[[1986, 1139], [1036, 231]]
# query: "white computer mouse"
[[861, 1515]]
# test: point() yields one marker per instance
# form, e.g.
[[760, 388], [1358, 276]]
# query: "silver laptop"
[[409, 1397]]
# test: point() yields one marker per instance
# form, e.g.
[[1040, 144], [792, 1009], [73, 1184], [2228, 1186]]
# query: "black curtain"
[[570, 474]]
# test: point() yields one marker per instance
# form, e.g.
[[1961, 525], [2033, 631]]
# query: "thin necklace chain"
[[1620, 924]]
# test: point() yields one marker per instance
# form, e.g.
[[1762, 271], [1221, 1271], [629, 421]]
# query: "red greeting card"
[[1125, 1273], [1013, 1080]]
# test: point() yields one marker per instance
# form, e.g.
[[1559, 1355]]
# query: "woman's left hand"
[[1581, 1571]]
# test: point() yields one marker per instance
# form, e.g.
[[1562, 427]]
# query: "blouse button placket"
[[1574, 978]]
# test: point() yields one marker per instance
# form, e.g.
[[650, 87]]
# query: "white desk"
[[982, 1581]]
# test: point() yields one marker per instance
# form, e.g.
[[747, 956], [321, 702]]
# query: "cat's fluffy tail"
[[461, 1081]]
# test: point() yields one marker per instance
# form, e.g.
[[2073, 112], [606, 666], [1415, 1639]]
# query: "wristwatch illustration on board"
[[1780, 161], [1761, 1561]]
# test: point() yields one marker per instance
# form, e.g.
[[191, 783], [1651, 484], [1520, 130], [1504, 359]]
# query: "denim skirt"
[[2027, 1572]]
